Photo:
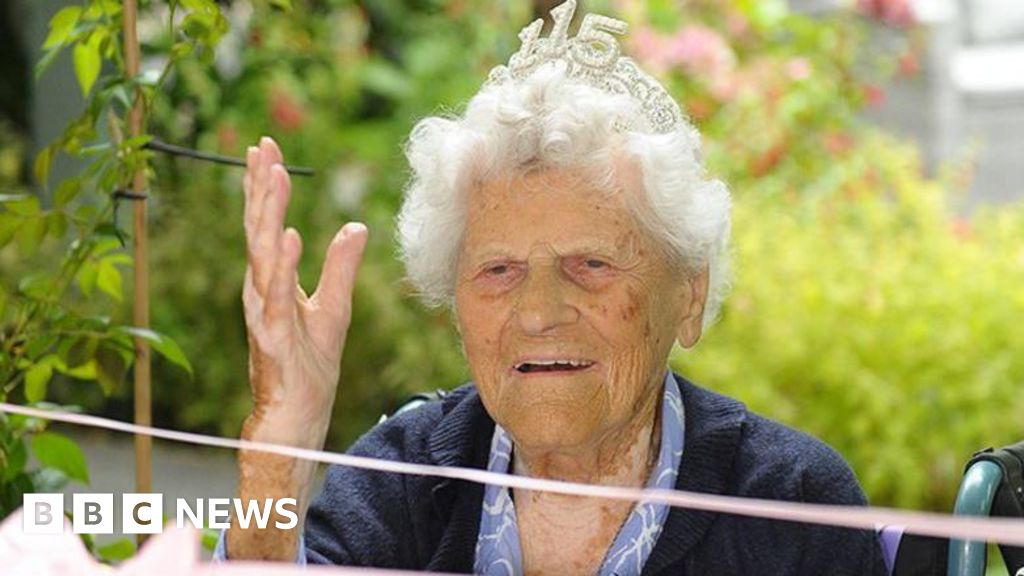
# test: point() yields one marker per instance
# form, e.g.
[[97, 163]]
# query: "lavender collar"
[[498, 552]]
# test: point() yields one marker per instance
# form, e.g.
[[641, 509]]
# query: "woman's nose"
[[542, 304]]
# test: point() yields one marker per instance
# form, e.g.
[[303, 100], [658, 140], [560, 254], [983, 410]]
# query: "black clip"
[[119, 195]]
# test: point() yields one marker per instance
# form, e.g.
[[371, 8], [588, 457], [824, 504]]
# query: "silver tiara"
[[593, 56]]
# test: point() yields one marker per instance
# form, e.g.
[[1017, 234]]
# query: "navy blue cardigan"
[[367, 518]]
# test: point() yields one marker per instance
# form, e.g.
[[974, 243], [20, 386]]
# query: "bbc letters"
[[144, 513]]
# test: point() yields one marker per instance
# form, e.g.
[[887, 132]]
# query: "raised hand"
[[295, 340], [295, 346]]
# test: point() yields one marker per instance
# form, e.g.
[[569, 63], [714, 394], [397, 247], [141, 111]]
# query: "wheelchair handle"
[[978, 489]]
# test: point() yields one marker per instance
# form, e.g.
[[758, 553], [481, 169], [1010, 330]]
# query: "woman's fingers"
[[270, 226], [270, 154], [279, 307], [251, 156], [259, 182], [261, 190], [333, 296]]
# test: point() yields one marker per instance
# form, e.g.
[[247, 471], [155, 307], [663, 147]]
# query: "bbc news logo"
[[143, 513]]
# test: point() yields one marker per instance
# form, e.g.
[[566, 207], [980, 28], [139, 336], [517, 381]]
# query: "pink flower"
[[874, 96], [701, 50], [737, 24], [696, 49], [837, 143], [227, 137], [651, 49], [285, 111], [961, 228], [910, 65], [798, 68], [893, 12]]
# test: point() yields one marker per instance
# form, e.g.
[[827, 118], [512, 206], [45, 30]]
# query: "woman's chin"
[[557, 428]]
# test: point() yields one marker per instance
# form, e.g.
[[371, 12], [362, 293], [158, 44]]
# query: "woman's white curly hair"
[[551, 120]]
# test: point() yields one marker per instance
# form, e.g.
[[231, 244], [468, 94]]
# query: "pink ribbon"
[[1001, 530]]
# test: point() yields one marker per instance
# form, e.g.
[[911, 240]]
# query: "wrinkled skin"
[[551, 268]]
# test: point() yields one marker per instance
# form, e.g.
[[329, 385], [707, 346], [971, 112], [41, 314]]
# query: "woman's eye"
[[496, 270], [589, 270]]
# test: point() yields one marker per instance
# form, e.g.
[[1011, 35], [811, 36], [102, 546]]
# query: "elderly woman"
[[566, 219]]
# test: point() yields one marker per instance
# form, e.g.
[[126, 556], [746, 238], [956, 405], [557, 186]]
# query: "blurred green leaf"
[[108, 279], [210, 537], [86, 277], [61, 26], [36, 379], [48, 480], [87, 62], [110, 369], [56, 224], [385, 79], [84, 371], [36, 285], [38, 346], [9, 225], [116, 551], [163, 345], [181, 50], [17, 456], [42, 165], [60, 452], [20, 204], [31, 234], [78, 351]]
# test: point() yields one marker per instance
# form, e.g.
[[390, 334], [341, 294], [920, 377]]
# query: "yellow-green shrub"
[[879, 321]]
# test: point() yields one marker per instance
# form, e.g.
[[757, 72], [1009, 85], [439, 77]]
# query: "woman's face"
[[567, 308]]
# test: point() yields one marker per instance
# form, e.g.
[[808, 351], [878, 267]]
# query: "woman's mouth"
[[560, 365]]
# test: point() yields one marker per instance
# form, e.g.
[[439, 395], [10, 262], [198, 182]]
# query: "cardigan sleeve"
[[220, 552], [780, 463], [833, 550]]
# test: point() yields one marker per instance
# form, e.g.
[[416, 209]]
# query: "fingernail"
[[352, 228], [265, 141]]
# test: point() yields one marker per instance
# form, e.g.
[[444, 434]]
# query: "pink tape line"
[[1002, 530]]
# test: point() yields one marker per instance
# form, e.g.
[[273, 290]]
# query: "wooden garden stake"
[[143, 397]]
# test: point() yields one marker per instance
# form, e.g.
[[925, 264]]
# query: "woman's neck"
[[571, 534], [622, 457]]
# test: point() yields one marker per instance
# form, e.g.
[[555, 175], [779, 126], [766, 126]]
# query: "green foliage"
[[116, 551], [63, 252], [60, 457], [864, 310], [210, 536], [111, 553], [878, 322], [58, 452]]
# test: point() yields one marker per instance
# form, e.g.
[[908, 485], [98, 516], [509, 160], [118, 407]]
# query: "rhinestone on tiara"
[[592, 56]]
